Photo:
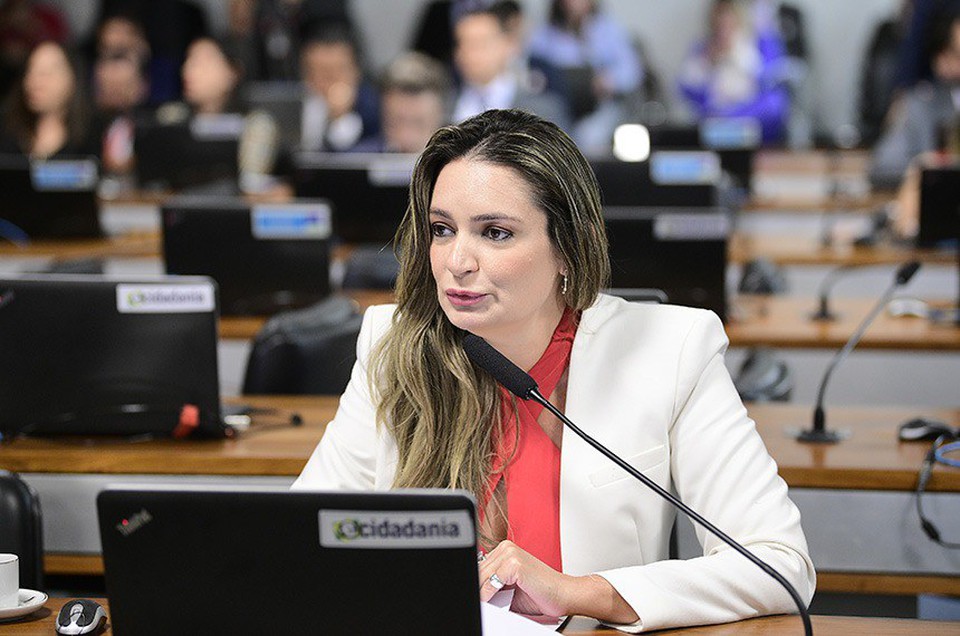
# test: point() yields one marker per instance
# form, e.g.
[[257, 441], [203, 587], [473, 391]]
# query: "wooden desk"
[[784, 321], [872, 459], [813, 181], [41, 623], [134, 245], [774, 321], [792, 250]]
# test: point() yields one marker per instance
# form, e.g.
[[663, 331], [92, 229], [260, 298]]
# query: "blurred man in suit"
[[484, 58]]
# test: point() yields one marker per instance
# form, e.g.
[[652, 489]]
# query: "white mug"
[[9, 581]]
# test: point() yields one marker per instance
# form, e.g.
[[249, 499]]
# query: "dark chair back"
[[21, 528], [307, 351]]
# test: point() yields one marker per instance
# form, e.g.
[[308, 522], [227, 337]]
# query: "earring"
[[563, 289]]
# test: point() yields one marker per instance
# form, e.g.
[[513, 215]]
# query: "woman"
[[212, 74], [736, 71], [504, 238], [47, 114]]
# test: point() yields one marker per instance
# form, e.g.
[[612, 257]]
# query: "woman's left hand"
[[539, 589]]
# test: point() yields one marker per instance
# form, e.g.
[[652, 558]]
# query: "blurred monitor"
[[189, 154], [680, 251], [52, 199], [666, 179], [734, 139], [939, 205], [577, 88], [265, 560], [282, 100], [89, 355], [265, 257], [368, 192]]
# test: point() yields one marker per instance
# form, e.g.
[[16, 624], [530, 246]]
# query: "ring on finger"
[[496, 582]]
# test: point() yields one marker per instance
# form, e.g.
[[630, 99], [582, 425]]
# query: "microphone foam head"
[[512, 377]]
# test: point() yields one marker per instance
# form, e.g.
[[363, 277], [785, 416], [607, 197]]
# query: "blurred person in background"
[[47, 113], [212, 73], [736, 71], [580, 34], [121, 87], [919, 120], [485, 58], [169, 27], [269, 33], [341, 108], [415, 95], [24, 24]]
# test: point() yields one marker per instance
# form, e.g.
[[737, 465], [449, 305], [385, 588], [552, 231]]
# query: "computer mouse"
[[81, 616], [921, 428]]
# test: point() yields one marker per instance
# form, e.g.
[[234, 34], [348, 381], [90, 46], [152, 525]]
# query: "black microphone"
[[826, 286], [819, 432], [524, 387]]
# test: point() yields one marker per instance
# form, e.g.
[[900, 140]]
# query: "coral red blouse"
[[531, 476]]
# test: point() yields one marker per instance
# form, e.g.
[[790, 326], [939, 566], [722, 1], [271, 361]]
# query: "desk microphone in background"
[[826, 286], [819, 433], [515, 380]]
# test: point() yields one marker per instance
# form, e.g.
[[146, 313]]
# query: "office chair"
[[21, 528], [306, 351]]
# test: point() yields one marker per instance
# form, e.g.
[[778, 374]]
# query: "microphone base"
[[821, 316], [813, 436]]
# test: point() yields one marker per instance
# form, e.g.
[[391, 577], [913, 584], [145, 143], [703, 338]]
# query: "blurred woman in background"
[[47, 113], [212, 74], [735, 71]]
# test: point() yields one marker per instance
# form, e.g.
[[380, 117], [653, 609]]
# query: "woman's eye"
[[439, 229], [497, 234]]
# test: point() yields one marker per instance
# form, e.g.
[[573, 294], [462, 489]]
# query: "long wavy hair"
[[440, 408]]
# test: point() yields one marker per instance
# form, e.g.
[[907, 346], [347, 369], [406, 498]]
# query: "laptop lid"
[[680, 251], [939, 206], [96, 355], [265, 257], [369, 192], [268, 561], [53, 199], [198, 152]]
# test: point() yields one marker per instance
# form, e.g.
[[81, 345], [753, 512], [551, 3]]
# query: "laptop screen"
[[48, 199], [268, 561], [95, 355], [265, 258]]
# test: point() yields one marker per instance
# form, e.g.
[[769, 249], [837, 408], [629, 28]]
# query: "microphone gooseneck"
[[513, 377], [819, 433]]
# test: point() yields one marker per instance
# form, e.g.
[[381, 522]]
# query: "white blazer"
[[649, 382]]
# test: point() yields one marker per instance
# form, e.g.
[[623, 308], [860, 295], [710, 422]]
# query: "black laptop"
[[189, 154], [265, 257], [939, 206], [269, 561], [368, 192], [680, 251], [87, 355], [53, 199], [667, 179]]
